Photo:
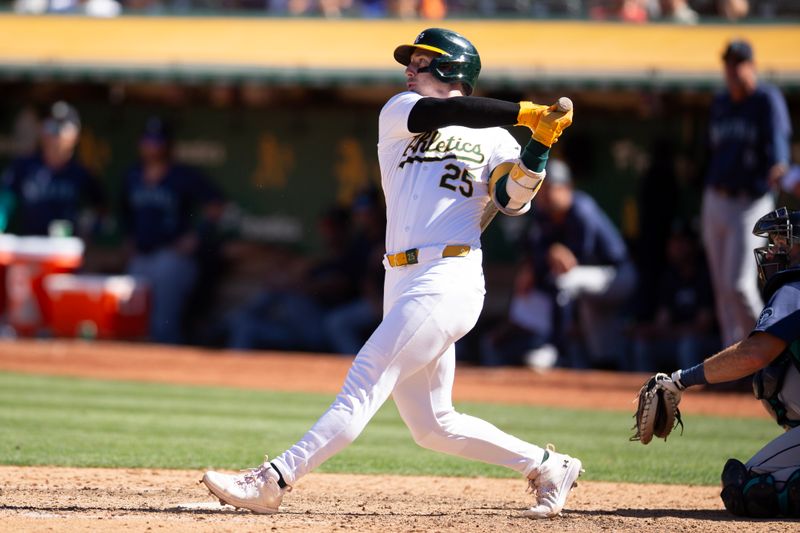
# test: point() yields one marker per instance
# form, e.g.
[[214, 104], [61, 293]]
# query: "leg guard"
[[789, 497], [734, 477], [761, 497], [745, 494]]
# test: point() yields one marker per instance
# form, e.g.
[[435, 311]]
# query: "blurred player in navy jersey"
[[160, 199], [749, 131], [51, 185]]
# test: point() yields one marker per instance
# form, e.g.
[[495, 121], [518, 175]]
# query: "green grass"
[[83, 422]]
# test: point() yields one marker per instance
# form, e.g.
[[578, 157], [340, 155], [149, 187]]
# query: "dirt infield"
[[41, 499], [64, 499]]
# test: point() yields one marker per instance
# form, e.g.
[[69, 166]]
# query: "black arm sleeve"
[[429, 114]]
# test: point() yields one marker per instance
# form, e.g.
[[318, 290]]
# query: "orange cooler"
[[96, 306], [28, 261]]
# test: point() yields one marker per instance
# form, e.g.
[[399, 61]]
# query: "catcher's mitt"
[[657, 413]]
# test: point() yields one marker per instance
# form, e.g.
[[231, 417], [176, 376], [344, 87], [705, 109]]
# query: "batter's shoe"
[[256, 490], [551, 483]]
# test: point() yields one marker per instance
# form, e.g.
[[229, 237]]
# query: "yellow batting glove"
[[529, 114], [553, 122]]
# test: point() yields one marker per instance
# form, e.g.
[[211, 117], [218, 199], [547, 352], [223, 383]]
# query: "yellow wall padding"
[[508, 48]]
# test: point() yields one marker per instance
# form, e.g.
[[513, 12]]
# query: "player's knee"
[[437, 438], [748, 494], [429, 438], [425, 440]]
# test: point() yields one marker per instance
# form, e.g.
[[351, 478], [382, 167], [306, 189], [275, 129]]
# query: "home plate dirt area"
[[94, 499]]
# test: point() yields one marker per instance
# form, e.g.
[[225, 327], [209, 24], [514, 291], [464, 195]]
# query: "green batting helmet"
[[459, 60]]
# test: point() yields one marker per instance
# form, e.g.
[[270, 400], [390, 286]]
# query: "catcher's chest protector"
[[778, 387]]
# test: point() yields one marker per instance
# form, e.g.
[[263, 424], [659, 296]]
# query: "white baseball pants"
[[727, 233], [781, 456], [427, 307]]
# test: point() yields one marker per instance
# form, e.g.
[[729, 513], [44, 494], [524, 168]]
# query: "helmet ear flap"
[[459, 70], [443, 67]]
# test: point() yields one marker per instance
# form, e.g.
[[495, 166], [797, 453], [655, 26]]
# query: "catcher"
[[768, 485]]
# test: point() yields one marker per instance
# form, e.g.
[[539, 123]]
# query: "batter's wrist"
[[535, 155]]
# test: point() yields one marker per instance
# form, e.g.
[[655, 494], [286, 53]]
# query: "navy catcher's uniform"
[[768, 485], [781, 318]]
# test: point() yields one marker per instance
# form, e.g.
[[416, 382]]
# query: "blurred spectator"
[[433, 9], [581, 259], [403, 9], [325, 8], [677, 11], [334, 8], [525, 337], [92, 8], [288, 313], [790, 186], [349, 325], [51, 188], [658, 198], [145, 6], [618, 10], [733, 9], [27, 129], [683, 330], [159, 205], [749, 131], [373, 8], [278, 318]]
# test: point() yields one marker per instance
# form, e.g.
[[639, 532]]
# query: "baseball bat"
[[563, 105]]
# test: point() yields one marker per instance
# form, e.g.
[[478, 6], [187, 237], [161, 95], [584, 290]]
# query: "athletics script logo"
[[431, 146]]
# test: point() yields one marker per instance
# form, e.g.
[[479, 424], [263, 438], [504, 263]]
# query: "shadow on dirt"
[[56, 509], [712, 515]]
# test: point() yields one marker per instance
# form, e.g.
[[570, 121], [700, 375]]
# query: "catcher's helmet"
[[459, 60], [782, 229]]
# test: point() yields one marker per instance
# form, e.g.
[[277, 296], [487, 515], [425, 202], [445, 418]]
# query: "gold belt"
[[411, 257]]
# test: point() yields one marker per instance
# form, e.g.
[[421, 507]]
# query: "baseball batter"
[[447, 168]]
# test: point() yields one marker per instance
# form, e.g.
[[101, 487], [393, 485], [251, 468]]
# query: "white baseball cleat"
[[256, 490], [551, 482]]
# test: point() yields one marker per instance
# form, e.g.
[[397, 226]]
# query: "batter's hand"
[[529, 114], [553, 121]]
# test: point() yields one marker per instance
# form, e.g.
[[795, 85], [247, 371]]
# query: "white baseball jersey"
[[436, 183]]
